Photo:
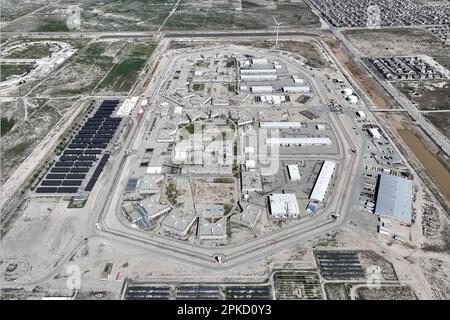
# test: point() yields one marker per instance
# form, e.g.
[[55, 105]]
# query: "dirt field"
[[369, 85], [150, 15], [437, 272], [42, 235], [386, 293], [402, 42], [308, 50], [430, 95], [336, 291], [213, 192], [441, 120]]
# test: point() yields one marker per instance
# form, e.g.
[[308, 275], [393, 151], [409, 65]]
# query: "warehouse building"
[[375, 133], [361, 114], [394, 198], [272, 99], [283, 205], [261, 89], [280, 125], [294, 173], [256, 71], [258, 77], [260, 61], [299, 89], [323, 181], [297, 79], [298, 141]]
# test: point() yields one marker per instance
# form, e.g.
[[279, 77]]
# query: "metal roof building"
[[178, 223], [253, 71], [280, 125], [284, 205], [294, 173], [259, 61], [256, 77], [212, 231], [374, 133], [323, 181], [298, 141], [261, 89], [394, 198], [249, 216], [299, 89]]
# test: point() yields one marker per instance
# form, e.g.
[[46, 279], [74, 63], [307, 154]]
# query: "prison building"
[[323, 181], [298, 141], [280, 125]]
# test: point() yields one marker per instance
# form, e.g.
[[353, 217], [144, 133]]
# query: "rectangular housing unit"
[[323, 181]]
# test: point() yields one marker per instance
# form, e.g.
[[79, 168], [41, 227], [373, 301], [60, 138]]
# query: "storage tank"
[[352, 99], [347, 92]]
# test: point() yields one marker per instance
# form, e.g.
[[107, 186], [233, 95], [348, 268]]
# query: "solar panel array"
[[249, 293], [147, 293], [198, 293], [90, 142], [340, 265]]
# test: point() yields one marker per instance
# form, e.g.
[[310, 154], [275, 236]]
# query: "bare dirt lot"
[[367, 84], [441, 120], [399, 42], [44, 232], [336, 291], [427, 95], [386, 293], [151, 15]]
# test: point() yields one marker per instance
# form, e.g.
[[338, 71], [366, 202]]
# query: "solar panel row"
[[59, 169], [56, 189], [79, 170], [72, 182], [90, 184]]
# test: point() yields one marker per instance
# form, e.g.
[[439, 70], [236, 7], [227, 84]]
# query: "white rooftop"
[[294, 173], [323, 181], [284, 205], [280, 124], [394, 198], [299, 141]]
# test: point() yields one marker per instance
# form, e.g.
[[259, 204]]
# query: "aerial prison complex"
[[236, 139]]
